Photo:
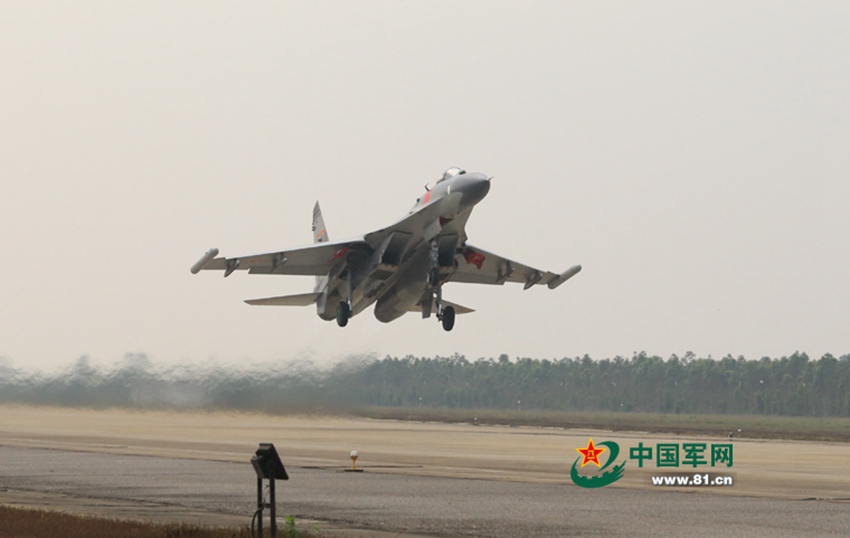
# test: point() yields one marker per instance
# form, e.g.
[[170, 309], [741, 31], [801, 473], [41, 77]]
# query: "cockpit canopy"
[[454, 171]]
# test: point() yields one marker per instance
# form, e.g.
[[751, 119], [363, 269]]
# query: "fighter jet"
[[401, 268]]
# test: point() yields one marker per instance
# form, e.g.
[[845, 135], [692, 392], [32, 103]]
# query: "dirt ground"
[[761, 468]]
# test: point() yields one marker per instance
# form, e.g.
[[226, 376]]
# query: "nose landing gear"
[[445, 315]]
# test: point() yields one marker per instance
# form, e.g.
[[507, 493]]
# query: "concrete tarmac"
[[470, 481]]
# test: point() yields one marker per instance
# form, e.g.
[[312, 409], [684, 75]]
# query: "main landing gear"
[[343, 312], [447, 318]]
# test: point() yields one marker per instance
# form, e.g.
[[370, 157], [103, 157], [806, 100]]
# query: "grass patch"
[[751, 426], [30, 523]]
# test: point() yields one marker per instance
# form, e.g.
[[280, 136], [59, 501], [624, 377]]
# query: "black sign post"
[[268, 466]]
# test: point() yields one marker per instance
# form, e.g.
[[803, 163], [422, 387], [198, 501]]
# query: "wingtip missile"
[[205, 259], [563, 277]]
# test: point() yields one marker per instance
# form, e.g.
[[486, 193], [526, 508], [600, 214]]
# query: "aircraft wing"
[[317, 259], [478, 266]]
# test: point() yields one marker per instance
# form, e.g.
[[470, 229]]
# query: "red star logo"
[[474, 258], [591, 454]]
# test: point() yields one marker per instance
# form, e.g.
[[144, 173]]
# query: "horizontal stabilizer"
[[459, 309], [303, 299]]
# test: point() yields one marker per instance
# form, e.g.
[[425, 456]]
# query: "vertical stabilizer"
[[320, 235]]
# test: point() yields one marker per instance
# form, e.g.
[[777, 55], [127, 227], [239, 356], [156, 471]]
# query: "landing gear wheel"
[[448, 318], [343, 312]]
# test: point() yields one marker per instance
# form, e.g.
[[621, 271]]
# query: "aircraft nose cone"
[[474, 190]]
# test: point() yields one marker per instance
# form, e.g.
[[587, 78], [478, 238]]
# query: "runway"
[[420, 479]]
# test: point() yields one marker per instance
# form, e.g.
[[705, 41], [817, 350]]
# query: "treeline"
[[137, 382], [794, 386], [791, 386]]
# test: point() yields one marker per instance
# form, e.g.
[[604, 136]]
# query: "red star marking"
[[474, 258], [591, 454]]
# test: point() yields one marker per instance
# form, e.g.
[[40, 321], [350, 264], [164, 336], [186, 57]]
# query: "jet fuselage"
[[438, 217]]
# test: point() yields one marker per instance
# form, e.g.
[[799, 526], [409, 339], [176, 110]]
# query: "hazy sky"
[[692, 156]]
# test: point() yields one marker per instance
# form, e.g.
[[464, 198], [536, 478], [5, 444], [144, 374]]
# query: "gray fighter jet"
[[401, 268]]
